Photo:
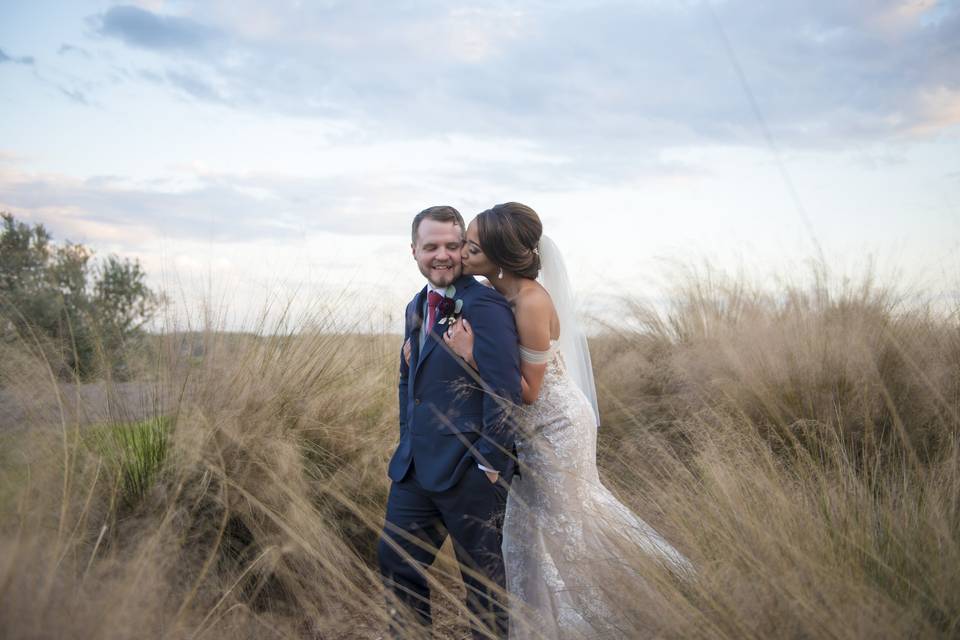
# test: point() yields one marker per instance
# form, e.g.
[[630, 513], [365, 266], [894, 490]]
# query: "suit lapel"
[[430, 342], [417, 322], [462, 284]]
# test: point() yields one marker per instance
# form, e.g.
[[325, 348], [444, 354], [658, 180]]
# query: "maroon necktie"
[[433, 301]]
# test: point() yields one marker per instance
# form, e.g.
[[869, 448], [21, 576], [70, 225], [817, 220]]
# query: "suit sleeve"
[[496, 351], [404, 371]]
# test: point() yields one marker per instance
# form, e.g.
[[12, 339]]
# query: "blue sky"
[[243, 149]]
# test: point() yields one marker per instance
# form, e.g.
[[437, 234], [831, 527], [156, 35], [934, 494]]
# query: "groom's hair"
[[441, 213]]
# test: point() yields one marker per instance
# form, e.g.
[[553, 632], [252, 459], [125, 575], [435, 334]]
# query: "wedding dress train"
[[561, 523]]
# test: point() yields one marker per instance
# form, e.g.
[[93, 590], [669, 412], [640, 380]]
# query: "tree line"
[[82, 314]]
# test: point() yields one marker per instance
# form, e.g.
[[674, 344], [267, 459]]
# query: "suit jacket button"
[[416, 401]]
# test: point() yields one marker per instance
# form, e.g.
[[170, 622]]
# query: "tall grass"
[[262, 522], [801, 446], [803, 443]]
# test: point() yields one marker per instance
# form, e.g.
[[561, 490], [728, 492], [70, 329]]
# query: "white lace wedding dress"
[[561, 523]]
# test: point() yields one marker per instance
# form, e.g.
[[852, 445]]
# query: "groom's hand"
[[493, 476]]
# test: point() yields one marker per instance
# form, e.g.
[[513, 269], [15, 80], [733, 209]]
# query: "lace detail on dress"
[[560, 519]]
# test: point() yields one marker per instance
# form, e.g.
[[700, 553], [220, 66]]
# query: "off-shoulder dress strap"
[[537, 357]]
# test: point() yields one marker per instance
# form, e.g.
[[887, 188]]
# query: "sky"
[[252, 153]]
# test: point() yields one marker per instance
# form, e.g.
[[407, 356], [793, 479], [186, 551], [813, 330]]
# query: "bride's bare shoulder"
[[533, 310], [535, 306], [534, 299]]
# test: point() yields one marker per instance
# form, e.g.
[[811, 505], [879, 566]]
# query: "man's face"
[[437, 251]]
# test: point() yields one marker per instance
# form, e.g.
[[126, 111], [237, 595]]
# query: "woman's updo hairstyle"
[[509, 235]]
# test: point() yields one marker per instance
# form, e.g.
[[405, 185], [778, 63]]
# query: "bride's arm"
[[533, 314]]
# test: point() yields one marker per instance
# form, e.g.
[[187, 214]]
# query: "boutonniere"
[[449, 308]]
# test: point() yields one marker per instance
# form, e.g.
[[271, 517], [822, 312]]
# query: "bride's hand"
[[406, 351], [459, 338]]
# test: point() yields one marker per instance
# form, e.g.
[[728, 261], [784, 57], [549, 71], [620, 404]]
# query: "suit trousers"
[[417, 523]]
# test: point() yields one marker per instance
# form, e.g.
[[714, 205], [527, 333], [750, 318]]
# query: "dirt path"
[[22, 408]]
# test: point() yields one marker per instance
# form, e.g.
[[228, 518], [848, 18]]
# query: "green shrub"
[[134, 453]]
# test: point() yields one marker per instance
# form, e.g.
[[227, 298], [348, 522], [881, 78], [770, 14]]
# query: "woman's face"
[[475, 262]]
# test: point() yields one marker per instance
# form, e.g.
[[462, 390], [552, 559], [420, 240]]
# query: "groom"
[[452, 468]]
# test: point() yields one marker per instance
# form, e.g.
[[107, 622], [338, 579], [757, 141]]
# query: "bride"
[[561, 523]]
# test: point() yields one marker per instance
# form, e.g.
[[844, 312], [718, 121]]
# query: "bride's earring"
[[500, 275]]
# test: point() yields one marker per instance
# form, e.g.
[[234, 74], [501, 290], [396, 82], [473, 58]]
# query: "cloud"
[[147, 30], [26, 60], [361, 189], [220, 208], [845, 71], [603, 82], [75, 95], [194, 86], [940, 109], [66, 48]]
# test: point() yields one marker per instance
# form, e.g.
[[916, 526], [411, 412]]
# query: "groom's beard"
[[443, 277]]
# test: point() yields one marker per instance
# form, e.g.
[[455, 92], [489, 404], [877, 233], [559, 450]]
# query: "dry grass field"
[[800, 445]]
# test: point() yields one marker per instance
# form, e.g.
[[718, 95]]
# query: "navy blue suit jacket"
[[448, 420]]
